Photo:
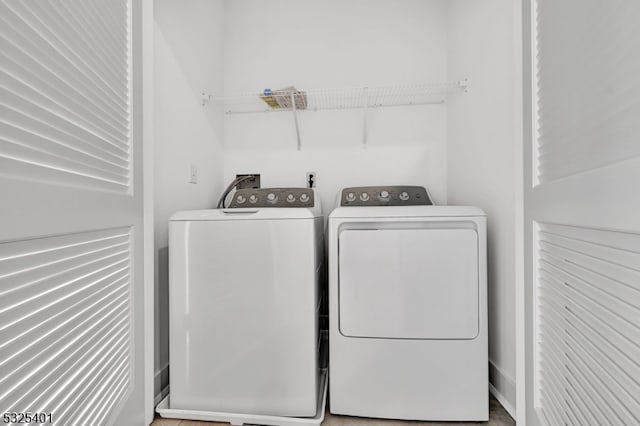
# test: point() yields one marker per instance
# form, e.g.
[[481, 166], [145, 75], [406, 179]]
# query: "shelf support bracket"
[[364, 117], [464, 85], [295, 119], [206, 98]]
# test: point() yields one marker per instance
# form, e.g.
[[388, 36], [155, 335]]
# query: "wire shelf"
[[338, 99]]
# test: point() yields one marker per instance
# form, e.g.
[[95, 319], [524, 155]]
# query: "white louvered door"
[[71, 277], [582, 212]]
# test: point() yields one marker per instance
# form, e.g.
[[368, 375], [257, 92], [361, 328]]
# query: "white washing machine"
[[244, 285], [407, 307]]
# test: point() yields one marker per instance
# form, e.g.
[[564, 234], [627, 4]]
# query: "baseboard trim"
[[503, 401], [503, 388], [161, 383], [164, 392]]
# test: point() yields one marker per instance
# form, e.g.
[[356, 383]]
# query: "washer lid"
[[246, 214], [406, 211]]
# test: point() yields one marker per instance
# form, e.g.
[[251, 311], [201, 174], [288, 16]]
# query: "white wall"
[[464, 152], [484, 141], [188, 60], [333, 43]]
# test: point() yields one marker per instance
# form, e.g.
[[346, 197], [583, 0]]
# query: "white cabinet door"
[[582, 212], [71, 208], [409, 283]]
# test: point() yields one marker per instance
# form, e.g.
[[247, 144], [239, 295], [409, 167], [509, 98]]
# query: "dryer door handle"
[[240, 211]]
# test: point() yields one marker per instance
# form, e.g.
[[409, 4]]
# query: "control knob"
[[351, 196], [404, 195], [240, 199], [384, 196], [304, 198], [272, 198], [253, 198], [364, 196], [291, 198]]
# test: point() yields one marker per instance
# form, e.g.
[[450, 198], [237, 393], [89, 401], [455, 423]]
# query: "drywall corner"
[[483, 138], [187, 62]]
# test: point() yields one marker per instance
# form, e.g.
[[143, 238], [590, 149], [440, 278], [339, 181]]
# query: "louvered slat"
[[96, 38], [18, 143], [40, 74], [588, 319], [52, 130], [64, 69], [62, 65], [581, 391], [588, 85], [551, 374], [65, 325], [45, 367], [593, 386], [42, 336], [75, 123], [90, 365], [65, 113], [85, 378], [61, 31], [574, 327], [611, 344]]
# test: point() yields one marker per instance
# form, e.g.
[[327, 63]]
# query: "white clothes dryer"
[[407, 307], [244, 287]]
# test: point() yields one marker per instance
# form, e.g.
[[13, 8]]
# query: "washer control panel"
[[360, 196], [273, 197]]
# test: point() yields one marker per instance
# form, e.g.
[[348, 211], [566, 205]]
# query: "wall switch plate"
[[193, 173], [251, 183], [312, 177]]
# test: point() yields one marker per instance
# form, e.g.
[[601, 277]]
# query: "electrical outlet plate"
[[253, 183], [312, 177], [193, 173]]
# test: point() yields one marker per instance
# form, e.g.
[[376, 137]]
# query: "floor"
[[497, 417]]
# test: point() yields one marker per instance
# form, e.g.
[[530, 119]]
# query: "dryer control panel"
[[273, 197], [399, 195]]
